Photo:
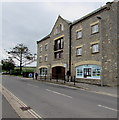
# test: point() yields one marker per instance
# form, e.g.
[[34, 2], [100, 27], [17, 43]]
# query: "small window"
[[46, 58], [46, 47], [95, 48], [61, 27], [79, 51], [40, 59], [40, 48], [78, 34], [56, 30], [95, 28]]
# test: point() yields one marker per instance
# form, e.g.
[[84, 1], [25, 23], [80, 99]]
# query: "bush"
[[15, 72]]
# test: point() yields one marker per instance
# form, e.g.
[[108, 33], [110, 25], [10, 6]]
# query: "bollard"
[[57, 78], [64, 80], [71, 78], [45, 76], [74, 80]]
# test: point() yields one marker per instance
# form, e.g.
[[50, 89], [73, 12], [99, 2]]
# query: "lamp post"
[[101, 49]]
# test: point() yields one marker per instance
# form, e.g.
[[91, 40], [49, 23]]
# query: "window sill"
[[78, 38], [78, 55], [58, 50], [95, 52], [94, 33]]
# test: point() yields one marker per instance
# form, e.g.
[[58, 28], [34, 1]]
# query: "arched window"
[[43, 71]]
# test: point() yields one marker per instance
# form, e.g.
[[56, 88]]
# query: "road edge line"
[[17, 103]]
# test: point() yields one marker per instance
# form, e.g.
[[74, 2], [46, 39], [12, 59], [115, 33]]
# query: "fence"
[[67, 79]]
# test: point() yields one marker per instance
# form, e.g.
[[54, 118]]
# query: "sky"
[[29, 21]]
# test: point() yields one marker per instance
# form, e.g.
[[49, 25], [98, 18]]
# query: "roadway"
[[56, 101]]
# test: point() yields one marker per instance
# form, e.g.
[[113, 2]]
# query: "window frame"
[[95, 48], [94, 29], [40, 59], [43, 71], [46, 58], [81, 35], [46, 47], [79, 51], [58, 55]]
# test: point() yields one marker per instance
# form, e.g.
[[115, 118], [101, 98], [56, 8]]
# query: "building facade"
[[86, 48]]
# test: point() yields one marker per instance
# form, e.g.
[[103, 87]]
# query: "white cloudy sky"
[[28, 21]]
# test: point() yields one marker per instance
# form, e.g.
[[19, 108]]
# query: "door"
[[87, 72], [58, 73]]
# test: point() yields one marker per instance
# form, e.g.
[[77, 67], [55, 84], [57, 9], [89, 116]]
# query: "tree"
[[8, 64], [22, 54]]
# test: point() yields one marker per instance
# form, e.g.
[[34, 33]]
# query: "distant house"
[[86, 48]]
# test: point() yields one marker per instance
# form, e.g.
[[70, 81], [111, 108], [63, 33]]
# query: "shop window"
[[88, 71]]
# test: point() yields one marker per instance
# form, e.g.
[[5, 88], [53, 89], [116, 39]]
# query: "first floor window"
[[43, 71], [79, 51], [95, 48]]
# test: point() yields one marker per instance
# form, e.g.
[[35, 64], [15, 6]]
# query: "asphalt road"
[[54, 101]]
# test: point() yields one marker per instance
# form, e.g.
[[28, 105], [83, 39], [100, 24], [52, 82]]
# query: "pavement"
[[7, 110], [106, 90]]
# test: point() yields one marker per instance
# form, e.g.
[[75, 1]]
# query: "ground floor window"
[[43, 71], [88, 71]]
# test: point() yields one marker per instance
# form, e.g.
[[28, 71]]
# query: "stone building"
[[54, 60], [86, 48]]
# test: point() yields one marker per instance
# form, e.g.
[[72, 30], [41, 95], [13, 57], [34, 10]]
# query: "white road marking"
[[58, 93], [108, 108], [32, 85], [18, 103]]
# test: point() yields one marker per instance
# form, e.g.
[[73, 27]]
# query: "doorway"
[[58, 72]]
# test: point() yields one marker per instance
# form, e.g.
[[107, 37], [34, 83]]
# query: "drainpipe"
[[101, 50], [70, 27]]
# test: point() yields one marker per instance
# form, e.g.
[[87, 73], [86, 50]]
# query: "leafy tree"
[[22, 54], [8, 64]]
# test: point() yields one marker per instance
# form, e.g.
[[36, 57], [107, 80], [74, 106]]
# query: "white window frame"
[[95, 28], [79, 34], [95, 48], [79, 51]]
